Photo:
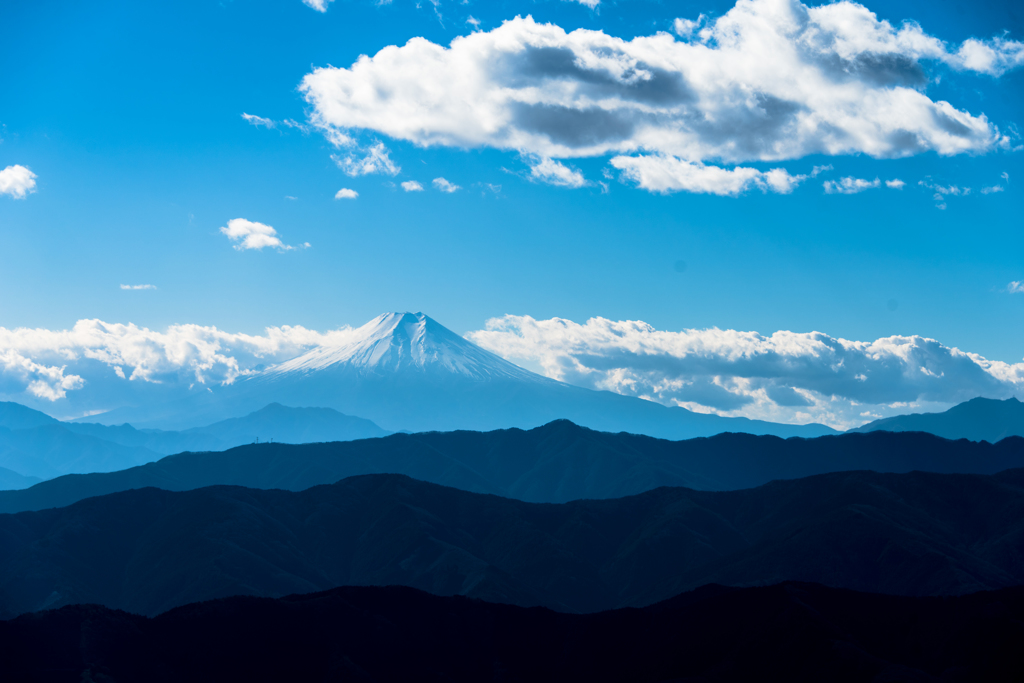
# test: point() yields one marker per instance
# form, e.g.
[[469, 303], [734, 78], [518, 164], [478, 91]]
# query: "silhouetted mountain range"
[[792, 632], [149, 550], [980, 419], [554, 463], [405, 371], [35, 444]]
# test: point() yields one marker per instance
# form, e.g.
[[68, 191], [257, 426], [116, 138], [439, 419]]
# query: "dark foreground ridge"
[[149, 550], [555, 463], [787, 632]]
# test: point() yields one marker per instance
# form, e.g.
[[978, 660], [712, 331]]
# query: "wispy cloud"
[[412, 186], [318, 5], [895, 184], [445, 186], [666, 174], [376, 160], [1015, 287], [850, 185], [259, 121], [17, 181], [136, 287], [555, 173]]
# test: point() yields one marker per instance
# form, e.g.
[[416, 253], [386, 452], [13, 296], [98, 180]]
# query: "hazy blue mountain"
[[11, 480], [53, 449], [980, 419], [408, 372], [793, 632], [149, 550], [17, 416], [273, 422], [554, 463]]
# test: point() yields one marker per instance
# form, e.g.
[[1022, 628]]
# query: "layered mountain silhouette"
[[791, 632], [980, 419], [554, 463], [148, 550], [35, 446], [407, 372]]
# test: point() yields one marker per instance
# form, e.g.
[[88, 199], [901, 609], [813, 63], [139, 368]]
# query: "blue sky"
[[130, 117]]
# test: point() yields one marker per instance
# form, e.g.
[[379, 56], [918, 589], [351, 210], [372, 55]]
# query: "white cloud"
[[445, 186], [412, 186], [767, 81], [1015, 287], [785, 376], [588, 3], [17, 181], [35, 362], [553, 172], [259, 120], [895, 184], [1005, 176], [318, 5], [670, 174], [685, 28], [345, 193], [850, 185], [136, 287], [993, 189], [253, 235], [377, 160], [818, 170]]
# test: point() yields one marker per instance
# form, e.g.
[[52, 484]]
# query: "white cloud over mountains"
[[17, 181], [785, 376], [43, 363], [768, 81]]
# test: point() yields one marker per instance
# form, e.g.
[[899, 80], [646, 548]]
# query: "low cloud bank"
[[787, 376]]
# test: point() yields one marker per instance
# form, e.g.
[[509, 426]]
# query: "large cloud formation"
[[41, 363], [768, 81], [786, 376]]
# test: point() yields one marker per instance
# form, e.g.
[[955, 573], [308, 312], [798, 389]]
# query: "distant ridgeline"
[[555, 463], [36, 446], [980, 419]]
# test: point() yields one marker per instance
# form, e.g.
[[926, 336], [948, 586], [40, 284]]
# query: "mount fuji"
[[406, 371]]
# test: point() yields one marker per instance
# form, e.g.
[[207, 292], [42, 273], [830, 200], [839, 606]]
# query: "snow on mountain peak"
[[394, 342]]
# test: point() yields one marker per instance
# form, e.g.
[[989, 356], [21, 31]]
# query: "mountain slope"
[[11, 480], [273, 422], [980, 419], [793, 632], [148, 550], [408, 372], [53, 450], [554, 463], [17, 416]]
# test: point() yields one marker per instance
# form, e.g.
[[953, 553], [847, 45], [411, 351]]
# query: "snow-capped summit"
[[403, 342]]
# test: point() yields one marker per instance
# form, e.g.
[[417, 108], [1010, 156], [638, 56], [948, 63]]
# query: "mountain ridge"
[[558, 462], [980, 419], [148, 550]]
